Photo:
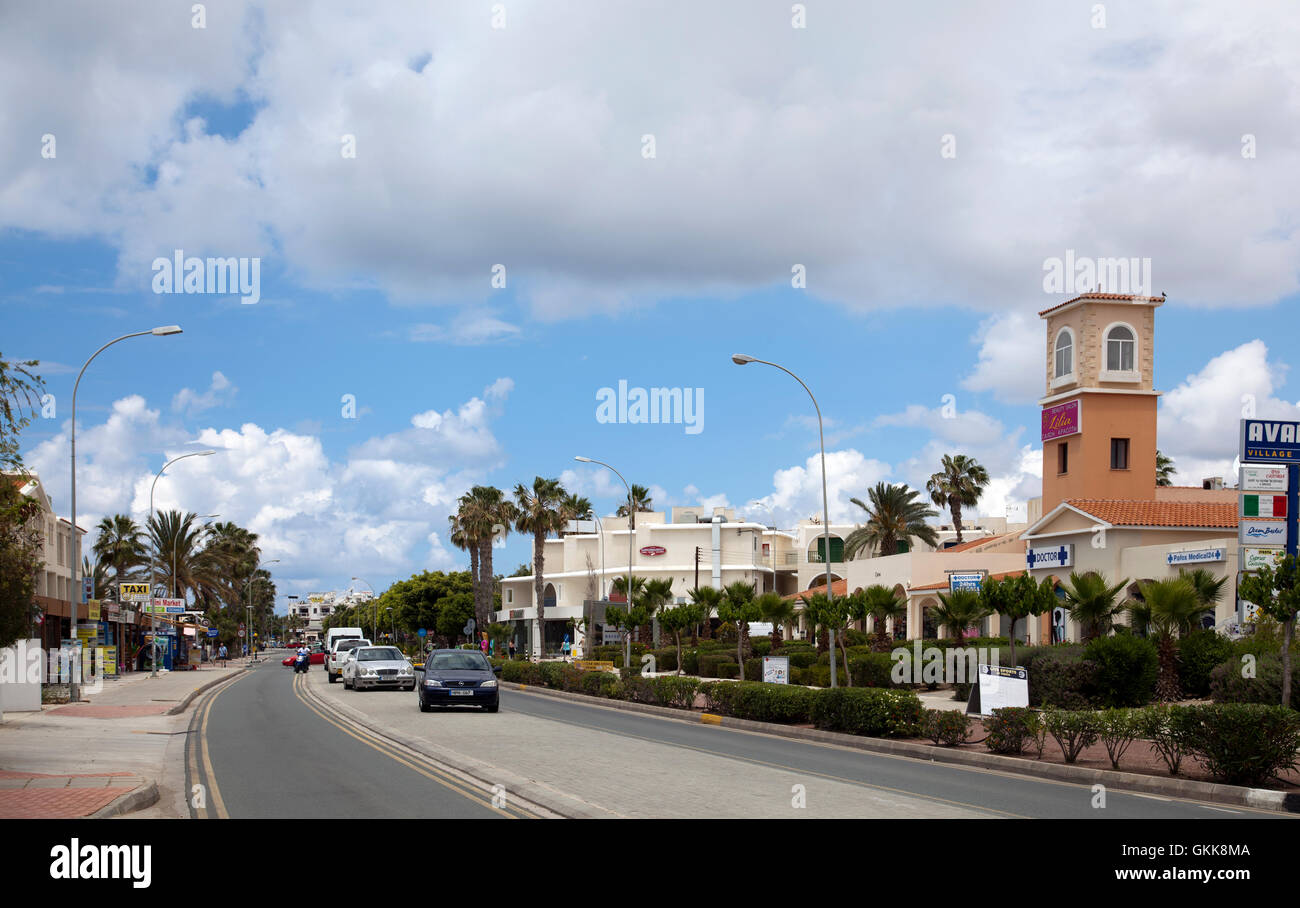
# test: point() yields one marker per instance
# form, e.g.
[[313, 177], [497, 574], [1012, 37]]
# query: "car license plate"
[[461, 693]]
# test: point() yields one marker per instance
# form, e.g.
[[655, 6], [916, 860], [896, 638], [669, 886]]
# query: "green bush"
[[1065, 681], [1227, 684], [763, 702], [948, 727], [1118, 728], [666, 659], [1168, 729], [1127, 667], [753, 669], [601, 684], [671, 690], [1244, 743], [710, 665], [1199, 653], [870, 711], [691, 662], [760, 646], [632, 671], [871, 670], [854, 637], [803, 658], [1010, 729], [726, 670], [1073, 731]]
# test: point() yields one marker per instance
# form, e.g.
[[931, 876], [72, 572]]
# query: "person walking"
[[512, 648], [222, 654], [564, 648], [483, 644]]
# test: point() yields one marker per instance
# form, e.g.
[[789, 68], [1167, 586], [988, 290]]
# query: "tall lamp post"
[[251, 581], [153, 557], [374, 624], [741, 359], [631, 543], [74, 546]]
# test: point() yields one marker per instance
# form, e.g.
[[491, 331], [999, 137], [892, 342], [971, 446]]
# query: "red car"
[[317, 656]]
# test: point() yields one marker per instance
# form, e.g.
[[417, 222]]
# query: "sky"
[[467, 219]]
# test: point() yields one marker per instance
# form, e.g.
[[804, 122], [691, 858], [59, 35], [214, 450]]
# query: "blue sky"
[[924, 273]]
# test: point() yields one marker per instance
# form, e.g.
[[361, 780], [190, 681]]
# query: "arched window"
[[1064, 353], [1120, 346]]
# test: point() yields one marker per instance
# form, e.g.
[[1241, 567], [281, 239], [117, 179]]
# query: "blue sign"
[[1201, 556], [1270, 441], [213, 632], [422, 632], [1052, 556], [968, 581]]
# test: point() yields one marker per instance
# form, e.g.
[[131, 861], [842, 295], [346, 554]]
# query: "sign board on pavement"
[[776, 669], [999, 687]]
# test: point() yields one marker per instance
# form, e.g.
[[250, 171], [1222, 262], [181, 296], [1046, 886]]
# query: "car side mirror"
[[496, 669]]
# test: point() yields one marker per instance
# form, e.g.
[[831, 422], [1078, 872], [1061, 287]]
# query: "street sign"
[[1200, 556], [965, 580], [133, 592], [241, 632], [1050, 556], [87, 589], [214, 632], [469, 627], [422, 632], [1263, 479]]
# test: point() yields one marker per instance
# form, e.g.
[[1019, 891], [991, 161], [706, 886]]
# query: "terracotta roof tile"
[[1112, 297], [1152, 513], [838, 588], [973, 543]]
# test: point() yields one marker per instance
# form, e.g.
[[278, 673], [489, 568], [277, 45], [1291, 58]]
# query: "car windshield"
[[379, 654], [459, 662], [345, 645]]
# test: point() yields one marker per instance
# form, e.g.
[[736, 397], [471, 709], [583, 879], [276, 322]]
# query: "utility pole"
[[697, 567]]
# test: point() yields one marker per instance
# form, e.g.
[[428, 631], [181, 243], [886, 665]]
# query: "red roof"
[[1152, 513], [838, 588], [972, 543], [1108, 297]]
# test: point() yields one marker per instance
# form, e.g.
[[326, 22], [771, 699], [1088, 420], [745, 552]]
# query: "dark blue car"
[[458, 677]]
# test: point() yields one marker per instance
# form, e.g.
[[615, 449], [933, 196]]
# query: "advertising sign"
[[966, 580], [776, 669], [133, 592], [1062, 420], [1200, 556], [1255, 505], [652, 550], [92, 610], [1264, 533], [1257, 559], [1264, 479], [1050, 556], [110, 661], [1002, 686], [87, 588], [1270, 441]]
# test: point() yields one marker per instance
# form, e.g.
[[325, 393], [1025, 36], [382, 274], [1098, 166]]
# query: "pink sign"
[[1061, 420]]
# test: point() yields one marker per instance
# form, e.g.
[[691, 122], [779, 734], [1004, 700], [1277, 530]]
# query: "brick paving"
[[34, 795]]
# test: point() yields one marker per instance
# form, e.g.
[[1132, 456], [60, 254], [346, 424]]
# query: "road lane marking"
[[199, 758], [435, 774]]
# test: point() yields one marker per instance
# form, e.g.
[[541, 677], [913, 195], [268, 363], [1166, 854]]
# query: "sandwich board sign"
[[999, 687], [776, 669]]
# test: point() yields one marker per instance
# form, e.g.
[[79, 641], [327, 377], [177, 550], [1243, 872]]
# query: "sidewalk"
[[119, 749]]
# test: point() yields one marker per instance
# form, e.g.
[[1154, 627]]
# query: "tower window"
[[1063, 457], [1064, 353], [1120, 345], [1119, 453]]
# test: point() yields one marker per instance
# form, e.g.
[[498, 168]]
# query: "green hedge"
[[1227, 684], [1199, 653], [762, 702], [1127, 667], [869, 711], [1244, 744]]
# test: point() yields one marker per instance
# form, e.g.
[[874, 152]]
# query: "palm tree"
[[1209, 589], [959, 484], [1164, 470], [880, 603], [120, 546], [959, 610], [658, 593], [708, 599], [779, 611], [893, 515], [485, 515], [457, 536], [538, 511], [1175, 608], [1093, 603], [575, 508], [185, 559], [641, 501]]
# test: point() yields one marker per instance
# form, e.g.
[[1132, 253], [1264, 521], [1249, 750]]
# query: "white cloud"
[[1010, 358], [220, 393], [469, 330]]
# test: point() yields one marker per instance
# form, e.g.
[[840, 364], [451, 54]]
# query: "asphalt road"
[[275, 751], [271, 754]]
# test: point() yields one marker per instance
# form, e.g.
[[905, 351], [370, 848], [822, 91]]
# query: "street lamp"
[[631, 542], [771, 514], [374, 624], [75, 546], [249, 629], [153, 555], [742, 359]]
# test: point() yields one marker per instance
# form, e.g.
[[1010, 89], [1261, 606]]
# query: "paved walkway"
[[74, 759]]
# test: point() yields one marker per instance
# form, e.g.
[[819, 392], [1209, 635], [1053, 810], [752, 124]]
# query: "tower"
[[1099, 412]]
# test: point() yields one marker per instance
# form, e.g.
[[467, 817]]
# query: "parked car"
[[334, 660], [377, 666], [317, 656], [456, 677]]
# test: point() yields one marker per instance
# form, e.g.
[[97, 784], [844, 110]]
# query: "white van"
[[341, 633]]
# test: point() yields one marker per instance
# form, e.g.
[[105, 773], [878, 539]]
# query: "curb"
[[1258, 798], [184, 704], [483, 773], [136, 799]]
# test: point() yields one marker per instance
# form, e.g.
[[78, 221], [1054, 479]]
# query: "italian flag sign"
[[1263, 505]]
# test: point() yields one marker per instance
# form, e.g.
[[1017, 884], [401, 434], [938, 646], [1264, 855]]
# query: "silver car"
[[378, 666]]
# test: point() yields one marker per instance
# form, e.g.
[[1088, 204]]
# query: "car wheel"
[[347, 685], [424, 707], [493, 708], [330, 675]]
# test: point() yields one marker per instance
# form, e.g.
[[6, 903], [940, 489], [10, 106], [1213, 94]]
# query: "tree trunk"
[[678, 634], [483, 588], [844, 647], [1167, 688], [539, 645], [955, 505], [740, 658]]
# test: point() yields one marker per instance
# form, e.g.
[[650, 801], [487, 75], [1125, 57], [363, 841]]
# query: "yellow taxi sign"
[[133, 592]]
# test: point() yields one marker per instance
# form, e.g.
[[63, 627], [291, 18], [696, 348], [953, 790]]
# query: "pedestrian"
[[483, 644], [564, 647], [492, 648], [222, 654], [512, 648]]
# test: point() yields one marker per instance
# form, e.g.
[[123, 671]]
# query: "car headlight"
[[432, 682], [368, 672], [492, 683]]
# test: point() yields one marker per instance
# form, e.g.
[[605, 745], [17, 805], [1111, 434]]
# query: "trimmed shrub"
[[1167, 728], [803, 658], [871, 670], [726, 670], [763, 702], [870, 711], [1010, 729], [1073, 731], [709, 664], [666, 659], [1118, 728], [1067, 682], [671, 690], [1199, 653], [753, 669], [1227, 684], [1244, 743], [1127, 668], [945, 726], [601, 684], [691, 662], [760, 646]]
